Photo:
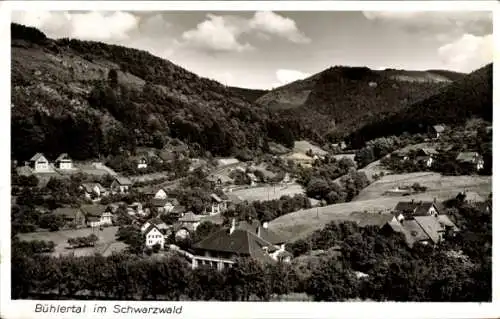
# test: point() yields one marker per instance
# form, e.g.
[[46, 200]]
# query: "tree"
[[51, 222], [332, 281]]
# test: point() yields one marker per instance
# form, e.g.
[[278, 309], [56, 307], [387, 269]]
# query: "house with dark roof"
[[372, 219], [93, 191], [247, 239], [470, 160], [154, 236], [121, 185], [187, 224], [426, 156], [165, 205], [64, 162], [438, 130], [141, 161], [408, 210], [97, 215], [39, 163], [73, 217], [157, 222]]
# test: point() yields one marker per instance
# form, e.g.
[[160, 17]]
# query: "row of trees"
[[392, 271], [86, 241]]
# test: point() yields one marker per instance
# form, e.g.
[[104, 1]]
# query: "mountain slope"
[[92, 99], [250, 95], [340, 99], [470, 96]]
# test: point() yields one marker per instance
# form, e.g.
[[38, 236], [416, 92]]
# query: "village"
[[106, 217]]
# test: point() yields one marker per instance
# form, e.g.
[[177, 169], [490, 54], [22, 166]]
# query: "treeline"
[[265, 211], [390, 270], [465, 98]]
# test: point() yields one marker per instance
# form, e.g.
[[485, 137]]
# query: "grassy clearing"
[[268, 192], [106, 244], [304, 146], [441, 187]]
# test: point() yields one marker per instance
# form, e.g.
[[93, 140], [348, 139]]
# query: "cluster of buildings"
[[40, 164], [428, 157]]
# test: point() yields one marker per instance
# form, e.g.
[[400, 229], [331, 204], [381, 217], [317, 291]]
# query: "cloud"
[[467, 53], [272, 23], [223, 33], [86, 26], [286, 76], [217, 33], [458, 22]]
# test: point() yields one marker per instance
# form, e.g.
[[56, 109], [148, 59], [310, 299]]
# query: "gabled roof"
[[446, 221], [62, 157], [178, 209], [89, 187], [216, 198], [470, 157], [406, 206], [415, 231], [423, 208], [428, 151], [439, 128], [431, 226], [123, 180], [371, 219], [93, 210], [256, 228], [37, 156], [158, 202], [151, 227], [240, 242]]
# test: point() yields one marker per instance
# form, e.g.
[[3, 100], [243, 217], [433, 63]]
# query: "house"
[[136, 209], [187, 224], [177, 212], [426, 156], [160, 194], [39, 163], [93, 191], [253, 179], [342, 145], [142, 162], [160, 224], [426, 230], [64, 162], [217, 204], [438, 130], [97, 215], [154, 236], [219, 179], [164, 205], [471, 160], [364, 219], [73, 217], [121, 185], [407, 210], [219, 249]]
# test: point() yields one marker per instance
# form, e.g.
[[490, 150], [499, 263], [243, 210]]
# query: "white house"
[[64, 162], [218, 205], [135, 209], [39, 163], [97, 215], [121, 185], [154, 236], [142, 162], [156, 222]]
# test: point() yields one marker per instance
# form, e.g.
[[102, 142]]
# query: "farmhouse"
[[121, 185], [93, 191], [154, 236], [64, 162], [187, 224], [97, 215], [39, 163], [471, 160], [217, 205], [426, 156], [219, 249], [135, 209], [158, 223], [164, 205], [437, 130], [407, 210], [142, 162], [73, 217]]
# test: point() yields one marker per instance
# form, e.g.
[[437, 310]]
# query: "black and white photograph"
[[235, 155]]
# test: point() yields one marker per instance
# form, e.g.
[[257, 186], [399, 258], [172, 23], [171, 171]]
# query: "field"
[[263, 193], [106, 244], [441, 187], [301, 223], [304, 146]]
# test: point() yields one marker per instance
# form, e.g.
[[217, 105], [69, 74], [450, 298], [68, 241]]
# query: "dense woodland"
[[91, 100]]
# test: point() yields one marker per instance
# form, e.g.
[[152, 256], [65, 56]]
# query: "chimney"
[[233, 226]]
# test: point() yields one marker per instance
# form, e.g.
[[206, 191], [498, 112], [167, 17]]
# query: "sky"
[[264, 49]]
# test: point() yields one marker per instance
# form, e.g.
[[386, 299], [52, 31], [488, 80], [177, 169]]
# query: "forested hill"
[[340, 99], [92, 99], [471, 96]]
